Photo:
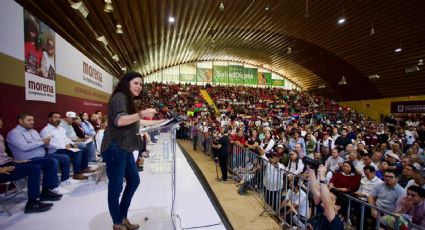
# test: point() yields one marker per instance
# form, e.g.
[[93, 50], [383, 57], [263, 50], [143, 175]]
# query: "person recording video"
[[325, 201]]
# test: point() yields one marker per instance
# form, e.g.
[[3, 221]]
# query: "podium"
[[169, 127]]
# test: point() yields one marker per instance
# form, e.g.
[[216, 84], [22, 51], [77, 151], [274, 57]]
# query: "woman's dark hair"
[[31, 26], [296, 160], [353, 170], [124, 87]]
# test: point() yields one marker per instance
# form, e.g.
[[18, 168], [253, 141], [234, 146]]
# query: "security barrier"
[[287, 196]]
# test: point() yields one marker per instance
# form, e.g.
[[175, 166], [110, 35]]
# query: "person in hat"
[[393, 160], [88, 147], [273, 180]]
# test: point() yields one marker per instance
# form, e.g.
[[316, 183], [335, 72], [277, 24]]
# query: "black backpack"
[[243, 189]]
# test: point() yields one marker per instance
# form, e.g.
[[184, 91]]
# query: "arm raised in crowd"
[[327, 202], [315, 186]]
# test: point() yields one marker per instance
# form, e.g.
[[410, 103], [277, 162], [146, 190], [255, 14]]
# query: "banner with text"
[[236, 73], [221, 72], [276, 82], [74, 65], [250, 76], [39, 49]]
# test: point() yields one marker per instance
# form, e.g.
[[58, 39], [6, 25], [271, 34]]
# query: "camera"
[[312, 163]]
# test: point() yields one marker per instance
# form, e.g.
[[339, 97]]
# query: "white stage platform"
[[85, 207]]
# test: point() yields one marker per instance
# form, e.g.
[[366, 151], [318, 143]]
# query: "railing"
[[273, 185]]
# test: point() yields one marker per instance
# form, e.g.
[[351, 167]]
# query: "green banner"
[[276, 82], [264, 78], [221, 74], [236, 74], [188, 77], [203, 75], [250, 76]]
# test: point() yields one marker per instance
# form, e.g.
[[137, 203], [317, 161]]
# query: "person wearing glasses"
[[385, 195]]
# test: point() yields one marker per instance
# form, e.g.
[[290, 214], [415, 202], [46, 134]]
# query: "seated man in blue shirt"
[[326, 209], [26, 144], [11, 170]]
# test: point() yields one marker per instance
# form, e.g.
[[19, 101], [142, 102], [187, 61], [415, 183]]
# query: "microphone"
[[169, 112], [158, 104]]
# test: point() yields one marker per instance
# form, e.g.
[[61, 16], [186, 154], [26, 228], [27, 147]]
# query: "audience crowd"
[[379, 162]]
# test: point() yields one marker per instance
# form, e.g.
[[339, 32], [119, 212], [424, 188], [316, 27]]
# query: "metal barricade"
[[275, 186], [271, 182]]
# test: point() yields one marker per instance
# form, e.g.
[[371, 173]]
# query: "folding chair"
[[8, 195]]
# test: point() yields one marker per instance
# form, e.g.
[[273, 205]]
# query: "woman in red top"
[[345, 181]]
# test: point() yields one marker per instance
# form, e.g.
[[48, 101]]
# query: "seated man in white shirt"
[[367, 183], [63, 149], [366, 161], [295, 203], [86, 144]]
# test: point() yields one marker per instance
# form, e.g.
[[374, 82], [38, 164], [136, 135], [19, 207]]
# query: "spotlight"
[[103, 40], [421, 62], [398, 50], [116, 58], [372, 30], [81, 8], [221, 6], [343, 81], [171, 19], [108, 8], [119, 29], [373, 77], [342, 20], [289, 50]]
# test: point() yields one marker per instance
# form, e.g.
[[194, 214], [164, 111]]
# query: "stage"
[[85, 207]]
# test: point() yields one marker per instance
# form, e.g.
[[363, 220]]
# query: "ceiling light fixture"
[[421, 62], [103, 40], [398, 49], [116, 58], [373, 77], [124, 69], [119, 29], [81, 8], [171, 19], [342, 19], [221, 6], [289, 50], [343, 81], [372, 30], [306, 9], [108, 8], [322, 86]]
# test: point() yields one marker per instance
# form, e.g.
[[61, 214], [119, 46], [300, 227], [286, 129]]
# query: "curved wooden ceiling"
[[322, 50]]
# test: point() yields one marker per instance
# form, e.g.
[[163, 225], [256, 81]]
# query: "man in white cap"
[[88, 148], [393, 160]]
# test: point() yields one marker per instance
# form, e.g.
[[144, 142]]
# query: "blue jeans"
[[120, 164], [32, 171], [89, 152], [49, 168], [62, 163]]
